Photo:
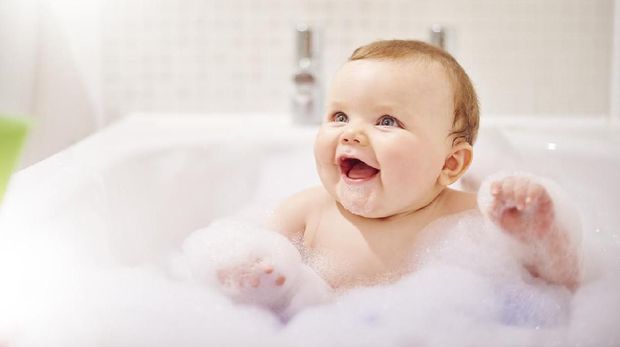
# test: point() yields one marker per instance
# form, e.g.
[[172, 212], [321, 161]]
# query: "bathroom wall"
[[548, 57], [614, 89], [74, 66], [17, 55], [50, 71]]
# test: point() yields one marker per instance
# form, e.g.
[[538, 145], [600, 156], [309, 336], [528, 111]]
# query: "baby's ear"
[[456, 163]]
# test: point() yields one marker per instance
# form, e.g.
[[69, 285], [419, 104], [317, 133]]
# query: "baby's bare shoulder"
[[458, 201], [308, 199], [292, 215]]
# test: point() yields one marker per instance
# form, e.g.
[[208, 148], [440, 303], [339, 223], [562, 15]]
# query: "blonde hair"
[[466, 111]]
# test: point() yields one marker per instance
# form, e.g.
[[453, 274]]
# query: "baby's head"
[[465, 104], [401, 120]]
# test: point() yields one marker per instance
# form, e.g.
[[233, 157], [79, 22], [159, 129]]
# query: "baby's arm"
[[531, 211], [290, 219]]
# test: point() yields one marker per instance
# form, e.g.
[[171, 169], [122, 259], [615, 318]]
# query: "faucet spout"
[[306, 100]]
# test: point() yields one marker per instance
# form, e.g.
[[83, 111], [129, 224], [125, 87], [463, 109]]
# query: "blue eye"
[[387, 121], [340, 117]]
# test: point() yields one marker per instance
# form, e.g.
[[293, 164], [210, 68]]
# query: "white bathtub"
[[141, 185], [144, 183], [130, 194]]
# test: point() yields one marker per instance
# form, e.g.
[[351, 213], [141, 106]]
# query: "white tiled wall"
[[524, 56]]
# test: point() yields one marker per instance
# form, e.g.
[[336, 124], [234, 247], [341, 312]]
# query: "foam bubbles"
[[466, 290]]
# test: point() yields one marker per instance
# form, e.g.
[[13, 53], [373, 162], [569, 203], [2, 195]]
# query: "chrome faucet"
[[307, 105], [437, 36]]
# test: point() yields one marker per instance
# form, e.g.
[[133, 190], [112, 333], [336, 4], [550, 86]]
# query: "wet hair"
[[466, 110]]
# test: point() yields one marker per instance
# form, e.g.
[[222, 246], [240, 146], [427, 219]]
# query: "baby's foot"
[[254, 281], [251, 274]]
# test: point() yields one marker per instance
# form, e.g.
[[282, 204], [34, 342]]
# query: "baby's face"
[[385, 137]]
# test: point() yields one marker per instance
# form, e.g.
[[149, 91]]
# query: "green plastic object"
[[12, 135]]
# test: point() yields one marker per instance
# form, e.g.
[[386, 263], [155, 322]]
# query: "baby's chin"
[[359, 200]]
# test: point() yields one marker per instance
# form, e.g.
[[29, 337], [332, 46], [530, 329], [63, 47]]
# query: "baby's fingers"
[[496, 188], [503, 192], [521, 187], [508, 186], [538, 196], [534, 191]]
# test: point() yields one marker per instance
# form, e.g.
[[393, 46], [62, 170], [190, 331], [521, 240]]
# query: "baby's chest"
[[346, 257]]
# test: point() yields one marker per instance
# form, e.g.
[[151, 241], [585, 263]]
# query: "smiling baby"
[[400, 123]]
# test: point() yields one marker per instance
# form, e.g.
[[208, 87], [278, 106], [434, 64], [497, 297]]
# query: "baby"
[[400, 122]]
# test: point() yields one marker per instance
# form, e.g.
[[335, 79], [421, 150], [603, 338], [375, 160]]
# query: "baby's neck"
[[433, 205], [416, 215], [446, 202]]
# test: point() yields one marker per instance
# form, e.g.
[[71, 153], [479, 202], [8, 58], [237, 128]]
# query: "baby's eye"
[[340, 117], [388, 121]]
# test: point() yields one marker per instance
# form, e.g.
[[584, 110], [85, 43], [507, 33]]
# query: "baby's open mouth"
[[356, 169]]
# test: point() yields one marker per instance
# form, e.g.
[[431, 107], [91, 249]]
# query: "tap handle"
[[438, 36], [304, 42]]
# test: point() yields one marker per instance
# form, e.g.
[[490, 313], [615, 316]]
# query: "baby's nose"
[[354, 136]]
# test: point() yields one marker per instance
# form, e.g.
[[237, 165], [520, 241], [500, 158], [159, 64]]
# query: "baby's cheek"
[[414, 172], [406, 165], [324, 147], [324, 154]]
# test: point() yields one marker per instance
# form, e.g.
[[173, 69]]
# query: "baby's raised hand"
[[521, 207], [549, 230]]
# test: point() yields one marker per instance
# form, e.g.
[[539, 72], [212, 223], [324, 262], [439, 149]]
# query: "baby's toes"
[[280, 280], [267, 268], [230, 276], [268, 275], [254, 281], [246, 279], [273, 278]]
